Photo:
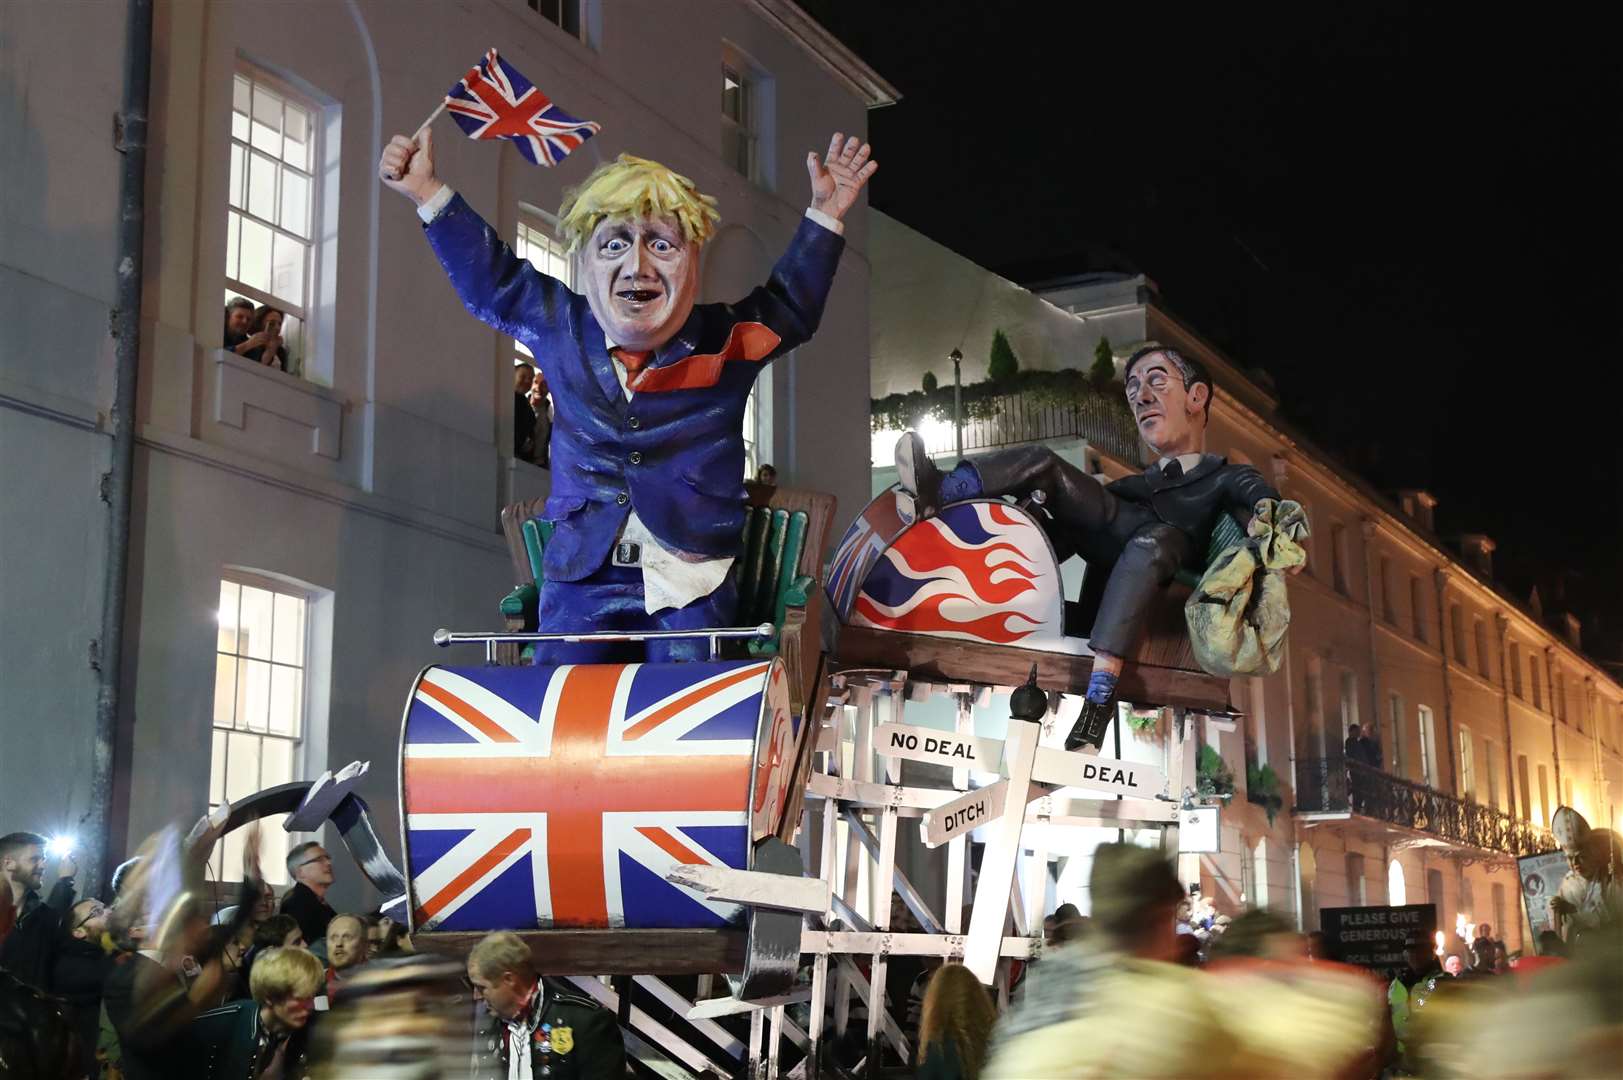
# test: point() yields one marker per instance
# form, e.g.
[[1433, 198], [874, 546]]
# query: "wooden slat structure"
[[612, 952]]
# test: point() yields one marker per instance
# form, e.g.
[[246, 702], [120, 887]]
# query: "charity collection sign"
[[1372, 937]]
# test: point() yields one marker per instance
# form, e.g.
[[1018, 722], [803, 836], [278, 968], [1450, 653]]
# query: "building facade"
[[1487, 716], [298, 535]]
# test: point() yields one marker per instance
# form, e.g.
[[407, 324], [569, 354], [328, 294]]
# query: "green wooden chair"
[[785, 531]]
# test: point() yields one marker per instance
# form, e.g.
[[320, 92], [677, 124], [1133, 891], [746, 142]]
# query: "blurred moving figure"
[[957, 1022]]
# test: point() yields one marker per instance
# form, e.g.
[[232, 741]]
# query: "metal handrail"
[[443, 637], [1336, 784]]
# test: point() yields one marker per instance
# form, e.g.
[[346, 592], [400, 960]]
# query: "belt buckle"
[[627, 554]]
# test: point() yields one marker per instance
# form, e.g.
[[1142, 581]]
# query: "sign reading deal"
[[938, 747], [1372, 937]]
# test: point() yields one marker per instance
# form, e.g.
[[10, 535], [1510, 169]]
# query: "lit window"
[[273, 195], [564, 14], [537, 244], [259, 710], [752, 433]]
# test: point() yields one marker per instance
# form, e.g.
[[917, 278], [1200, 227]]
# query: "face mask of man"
[[641, 277]]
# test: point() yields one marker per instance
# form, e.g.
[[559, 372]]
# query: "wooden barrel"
[[559, 797]]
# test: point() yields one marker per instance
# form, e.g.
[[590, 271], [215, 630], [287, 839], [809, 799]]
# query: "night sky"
[[1407, 217]]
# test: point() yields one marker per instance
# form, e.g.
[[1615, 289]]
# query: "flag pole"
[[433, 116]]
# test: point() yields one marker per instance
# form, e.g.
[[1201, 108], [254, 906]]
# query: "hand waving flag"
[[493, 101]]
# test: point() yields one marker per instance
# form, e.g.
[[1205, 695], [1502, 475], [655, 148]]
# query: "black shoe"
[[1089, 729], [918, 475]]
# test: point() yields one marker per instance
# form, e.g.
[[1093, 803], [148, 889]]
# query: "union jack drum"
[[552, 797]]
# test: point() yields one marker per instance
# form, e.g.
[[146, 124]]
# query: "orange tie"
[[633, 360]]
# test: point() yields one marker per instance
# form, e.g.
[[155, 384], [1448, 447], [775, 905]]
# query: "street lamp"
[[957, 359]]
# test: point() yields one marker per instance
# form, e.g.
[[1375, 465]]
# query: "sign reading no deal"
[[939, 747], [964, 814], [1372, 937]]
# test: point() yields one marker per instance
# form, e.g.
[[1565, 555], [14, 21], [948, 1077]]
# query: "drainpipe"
[[1376, 713], [1501, 626], [1450, 751], [130, 138], [1555, 725]]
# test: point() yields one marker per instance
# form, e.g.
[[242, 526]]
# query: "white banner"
[[964, 814], [1069, 769], [939, 747]]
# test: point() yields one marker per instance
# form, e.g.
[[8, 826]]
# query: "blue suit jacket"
[[677, 456]]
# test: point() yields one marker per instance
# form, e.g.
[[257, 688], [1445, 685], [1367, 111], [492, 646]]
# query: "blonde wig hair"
[[497, 954], [279, 974], [635, 187], [958, 1012]]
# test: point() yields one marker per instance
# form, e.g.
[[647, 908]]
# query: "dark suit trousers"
[[1136, 551]]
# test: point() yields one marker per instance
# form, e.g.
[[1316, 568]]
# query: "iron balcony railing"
[[1024, 418], [1335, 784]]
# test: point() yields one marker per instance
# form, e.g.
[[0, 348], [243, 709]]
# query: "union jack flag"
[[494, 101], [560, 797]]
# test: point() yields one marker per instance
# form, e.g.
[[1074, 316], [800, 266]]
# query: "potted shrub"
[[1262, 788]]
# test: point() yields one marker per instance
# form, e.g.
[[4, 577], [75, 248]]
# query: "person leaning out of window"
[[263, 342]]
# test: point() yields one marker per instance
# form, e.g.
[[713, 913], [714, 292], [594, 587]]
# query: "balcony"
[[1057, 405], [1334, 785]]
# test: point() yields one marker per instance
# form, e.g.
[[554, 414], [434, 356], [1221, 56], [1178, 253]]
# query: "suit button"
[[636, 457], [635, 423], [622, 498]]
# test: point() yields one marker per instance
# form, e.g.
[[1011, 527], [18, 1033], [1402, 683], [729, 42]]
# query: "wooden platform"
[[613, 952], [944, 660]]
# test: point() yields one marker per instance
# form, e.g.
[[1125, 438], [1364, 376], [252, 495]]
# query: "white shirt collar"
[[1188, 461]]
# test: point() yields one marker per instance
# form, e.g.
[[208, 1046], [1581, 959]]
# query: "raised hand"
[[838, 178], [408, 167]]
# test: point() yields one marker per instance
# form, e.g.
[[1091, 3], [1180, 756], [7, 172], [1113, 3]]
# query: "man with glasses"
[[310, 867], [79, 972], [1136, 532]]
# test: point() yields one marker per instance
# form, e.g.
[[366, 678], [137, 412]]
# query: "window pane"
[[238, 154], [253, 707], [276, 763], [295, 204], [273, 848], [287, 268], [230, 592], [289, 644], [217, 771], [255, 624], [262, 187], [225, 689], [286, 700], [267, 121], [296, 146], [229, 852], [233, 226], [240, 95], [293, 341], [256, 256], [242, 769]]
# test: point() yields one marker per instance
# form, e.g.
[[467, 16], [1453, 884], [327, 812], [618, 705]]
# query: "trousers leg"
[[1147, 564], [1087, 518], [610, 599], [720, 608]]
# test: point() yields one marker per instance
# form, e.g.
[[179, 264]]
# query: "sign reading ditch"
[[939, 747], [1372, 937], [964, 814]]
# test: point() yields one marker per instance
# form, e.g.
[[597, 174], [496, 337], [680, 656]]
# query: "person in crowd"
[[767, 475], [532, 415], [1453, 966], [36, 1035], [564, 1035], [28, 950], [1353, 748], [346, 949], [79, 971], [1114, 1002], [284, 984], [264, 344], [310, 867], [384, 936], [1590, 898], [956, 1025], [1501, 959], [239, 316], [123, 874], [1411, 988], [1550, 944]]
